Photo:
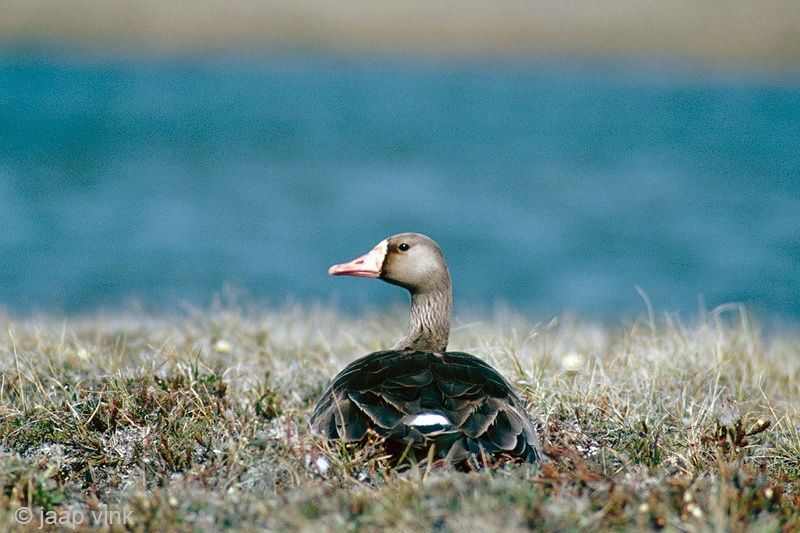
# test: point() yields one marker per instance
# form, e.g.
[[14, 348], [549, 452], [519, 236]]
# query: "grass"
[[197, 421], [754, 34]]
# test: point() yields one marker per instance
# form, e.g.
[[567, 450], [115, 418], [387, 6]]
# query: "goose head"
[[410, 260], [415, 262]]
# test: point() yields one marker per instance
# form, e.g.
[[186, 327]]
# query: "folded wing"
[[451, 400]]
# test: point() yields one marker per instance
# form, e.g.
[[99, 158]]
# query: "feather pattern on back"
[[386, 390]]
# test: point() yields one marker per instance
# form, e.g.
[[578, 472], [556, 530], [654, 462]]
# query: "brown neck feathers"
[[429, 321]]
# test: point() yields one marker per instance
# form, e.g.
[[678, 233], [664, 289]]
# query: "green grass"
[[198, 421]]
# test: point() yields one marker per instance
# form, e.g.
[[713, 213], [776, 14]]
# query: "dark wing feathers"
[[420, 379], [502, 433], [479, 420], [381, 412], [351, 423], [457, 388], [385, 390]]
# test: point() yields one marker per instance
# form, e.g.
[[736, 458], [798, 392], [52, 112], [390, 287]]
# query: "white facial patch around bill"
[[374, 258], [382, 248], [429, 419]]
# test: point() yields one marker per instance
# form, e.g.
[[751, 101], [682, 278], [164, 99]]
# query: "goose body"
[[417, 394]]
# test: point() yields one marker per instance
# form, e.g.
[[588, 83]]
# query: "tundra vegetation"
[[198, 421]]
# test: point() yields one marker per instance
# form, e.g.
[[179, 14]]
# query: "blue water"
[[551, 186]]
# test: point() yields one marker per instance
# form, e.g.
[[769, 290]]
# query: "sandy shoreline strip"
[[732, 31]]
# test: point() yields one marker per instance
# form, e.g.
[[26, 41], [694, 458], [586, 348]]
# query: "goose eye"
[[403, 247]]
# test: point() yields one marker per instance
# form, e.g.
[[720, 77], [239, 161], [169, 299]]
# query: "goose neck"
[[429, 321]]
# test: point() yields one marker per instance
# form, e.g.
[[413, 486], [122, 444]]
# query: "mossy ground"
[[198, 421]]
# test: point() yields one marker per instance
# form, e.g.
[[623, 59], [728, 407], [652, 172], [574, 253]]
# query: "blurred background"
[[562, 154]]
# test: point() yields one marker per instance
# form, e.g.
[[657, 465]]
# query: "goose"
[[417, 395]]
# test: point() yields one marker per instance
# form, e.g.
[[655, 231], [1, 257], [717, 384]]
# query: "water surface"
[[551, 186]]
